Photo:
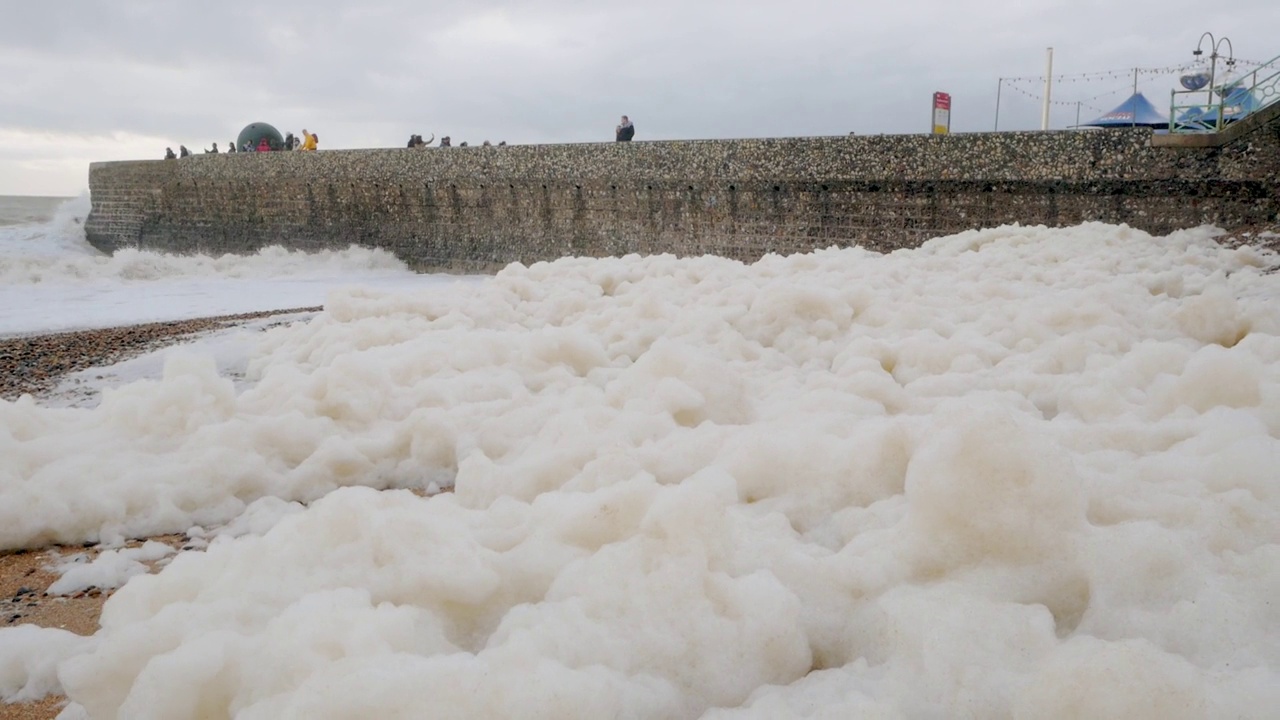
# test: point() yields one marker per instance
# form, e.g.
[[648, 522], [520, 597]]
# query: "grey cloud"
[[371, 73]]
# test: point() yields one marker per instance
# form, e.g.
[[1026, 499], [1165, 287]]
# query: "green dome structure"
[[254, 132]]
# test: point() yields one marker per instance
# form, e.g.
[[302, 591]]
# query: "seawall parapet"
[[480, 208]]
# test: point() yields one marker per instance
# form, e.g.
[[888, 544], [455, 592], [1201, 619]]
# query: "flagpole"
[[1048, 87], [998, 86], [1135, 98]]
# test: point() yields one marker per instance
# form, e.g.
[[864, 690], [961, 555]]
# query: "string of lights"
[[1102, 74], [1125, 72], [1255, 63], [1063, 103]]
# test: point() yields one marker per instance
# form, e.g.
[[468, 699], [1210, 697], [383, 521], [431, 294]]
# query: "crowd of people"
[[625, 131], [416, 141], [309, 141]]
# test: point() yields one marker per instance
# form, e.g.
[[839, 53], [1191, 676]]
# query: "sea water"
[[27, 210], [52, 279]]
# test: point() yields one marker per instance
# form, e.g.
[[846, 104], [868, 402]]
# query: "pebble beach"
[[33, 364]]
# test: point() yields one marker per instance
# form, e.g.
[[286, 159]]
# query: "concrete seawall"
[[479, 208]]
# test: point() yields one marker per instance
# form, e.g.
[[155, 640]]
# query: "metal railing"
[[1212, 108]]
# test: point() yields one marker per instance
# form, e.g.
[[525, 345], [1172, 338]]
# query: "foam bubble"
[[1014, 473]]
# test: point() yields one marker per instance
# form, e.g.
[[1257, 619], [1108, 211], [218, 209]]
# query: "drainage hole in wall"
[[824, 188], [733, 188], [776, 188]]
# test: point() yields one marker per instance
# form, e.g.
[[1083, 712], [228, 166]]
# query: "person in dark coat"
[[183, 151], [168, 154], [626, 130], [290, 142]]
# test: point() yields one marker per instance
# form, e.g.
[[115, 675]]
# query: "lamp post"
[[1214, 44]]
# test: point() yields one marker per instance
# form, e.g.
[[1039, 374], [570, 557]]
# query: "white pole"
[[1048, 87], [1135, 97]]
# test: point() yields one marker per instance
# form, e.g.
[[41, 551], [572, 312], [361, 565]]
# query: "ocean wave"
[[57, 251]]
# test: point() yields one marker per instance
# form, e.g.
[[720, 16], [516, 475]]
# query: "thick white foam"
[[1015, 473]]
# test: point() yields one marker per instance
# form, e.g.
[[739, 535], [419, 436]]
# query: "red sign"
[[941, 113]]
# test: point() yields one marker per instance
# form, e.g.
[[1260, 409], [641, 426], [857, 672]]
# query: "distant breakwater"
[[477, 209]]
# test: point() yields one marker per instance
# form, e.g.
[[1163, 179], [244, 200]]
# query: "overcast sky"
[[87, 80]]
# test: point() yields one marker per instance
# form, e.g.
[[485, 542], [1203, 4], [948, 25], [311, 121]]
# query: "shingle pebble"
[[32, 364]]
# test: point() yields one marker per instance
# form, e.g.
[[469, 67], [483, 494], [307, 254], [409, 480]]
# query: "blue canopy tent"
[[1137, 111]]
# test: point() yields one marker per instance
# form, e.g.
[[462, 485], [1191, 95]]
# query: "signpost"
[[941, 113]]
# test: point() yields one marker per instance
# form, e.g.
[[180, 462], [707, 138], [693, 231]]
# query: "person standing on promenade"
[[625, 130]]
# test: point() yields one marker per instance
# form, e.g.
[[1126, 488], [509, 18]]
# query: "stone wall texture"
[[477, 209]]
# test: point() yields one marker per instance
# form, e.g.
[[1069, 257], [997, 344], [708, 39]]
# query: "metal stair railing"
[[1197, 111]]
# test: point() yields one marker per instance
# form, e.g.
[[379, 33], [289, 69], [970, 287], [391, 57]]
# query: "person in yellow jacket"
[[309, 141]]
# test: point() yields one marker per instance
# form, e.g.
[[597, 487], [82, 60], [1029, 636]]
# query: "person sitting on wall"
[[413, 141], [214, 151], [625, 130], [231, 146], [309, 141], [446, 142], [183, 151], [289, 141], [168, 154], [502, 143], [462, 144], [264, 145]]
